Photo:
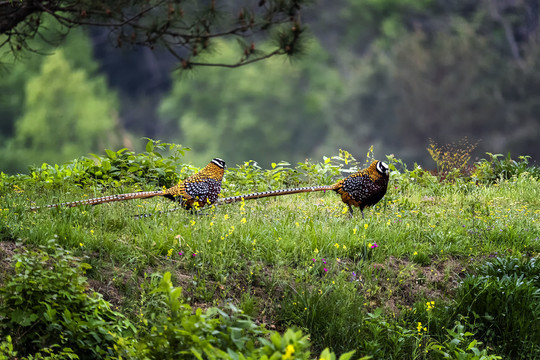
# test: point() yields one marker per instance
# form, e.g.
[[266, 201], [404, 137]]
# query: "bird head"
[[218, 162], [382, 168]]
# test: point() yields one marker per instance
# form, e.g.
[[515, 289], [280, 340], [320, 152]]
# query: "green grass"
[[300, 260]]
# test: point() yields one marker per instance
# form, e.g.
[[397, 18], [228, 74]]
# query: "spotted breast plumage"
[[200, 189], [361, 189], [365, 187]]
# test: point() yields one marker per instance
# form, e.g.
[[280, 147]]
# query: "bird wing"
[[197, 188], [356, 187]]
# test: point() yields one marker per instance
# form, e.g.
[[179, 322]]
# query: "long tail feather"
[[105, 199], [229, 200], [232, 199]]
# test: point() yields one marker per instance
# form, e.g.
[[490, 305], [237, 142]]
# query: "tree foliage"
[[389, 73], [273, 107], [77, 49], [187, 29], [65, 113], [454, 69], [455, 85]]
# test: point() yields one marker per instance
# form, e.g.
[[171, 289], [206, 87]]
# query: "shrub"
[[459, 345], [451, 159], [116, 168], [46, 303], [504, 303], [251, 177], [47, 313], [170, 329], [499, 167], [500, 267]]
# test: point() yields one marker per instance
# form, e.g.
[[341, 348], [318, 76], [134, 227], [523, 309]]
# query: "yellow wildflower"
[[289, 350]]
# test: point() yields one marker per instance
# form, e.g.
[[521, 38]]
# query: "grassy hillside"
[[437, 268]]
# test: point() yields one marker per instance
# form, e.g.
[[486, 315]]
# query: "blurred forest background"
[[388, 73]]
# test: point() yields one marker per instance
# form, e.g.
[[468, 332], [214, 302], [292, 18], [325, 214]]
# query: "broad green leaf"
[[110, 153], [150, 146]]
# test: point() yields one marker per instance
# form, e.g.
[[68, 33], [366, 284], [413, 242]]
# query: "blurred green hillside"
[[388, 73]]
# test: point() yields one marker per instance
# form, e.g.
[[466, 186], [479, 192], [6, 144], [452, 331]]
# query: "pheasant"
[[361, 189], [196, 191]]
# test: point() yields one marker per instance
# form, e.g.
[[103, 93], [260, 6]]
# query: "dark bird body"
[[196, 191], [361, 189], [365, 187]]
